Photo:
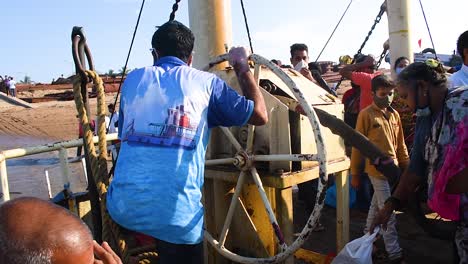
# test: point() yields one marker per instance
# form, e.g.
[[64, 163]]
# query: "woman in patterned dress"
[[440, 152]]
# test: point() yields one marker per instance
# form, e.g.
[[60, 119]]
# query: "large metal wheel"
[[244, 160]]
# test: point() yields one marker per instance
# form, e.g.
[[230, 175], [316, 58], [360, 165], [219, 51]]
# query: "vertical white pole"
[[49, 189], [4, 179], [83, 162], [63, 155], [398, 13]]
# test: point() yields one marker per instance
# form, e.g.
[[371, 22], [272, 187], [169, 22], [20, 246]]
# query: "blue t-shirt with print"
[[166, 112]]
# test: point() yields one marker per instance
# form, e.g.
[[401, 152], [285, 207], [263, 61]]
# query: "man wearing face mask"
[[381, 124], [400, 64], [300, 60]]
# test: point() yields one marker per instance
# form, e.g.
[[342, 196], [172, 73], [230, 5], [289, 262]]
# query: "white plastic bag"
[[358, 251]]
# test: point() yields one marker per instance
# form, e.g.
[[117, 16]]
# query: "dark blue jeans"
[[364, 193], [179, 253]]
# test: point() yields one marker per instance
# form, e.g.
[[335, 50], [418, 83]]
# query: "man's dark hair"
[[173, 39], [462, 44], [381, 81], [298, 46], [398, 61]]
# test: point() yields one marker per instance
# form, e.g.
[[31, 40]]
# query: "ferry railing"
[[57, 146]]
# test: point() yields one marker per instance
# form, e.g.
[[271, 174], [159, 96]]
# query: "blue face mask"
[[399, 70]]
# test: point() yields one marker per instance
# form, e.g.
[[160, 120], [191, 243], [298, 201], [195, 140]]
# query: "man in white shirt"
[[460, 78], [12, 87], [114, 118]]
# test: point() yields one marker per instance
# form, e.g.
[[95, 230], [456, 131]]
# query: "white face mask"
[[300, 65], [399, 70]]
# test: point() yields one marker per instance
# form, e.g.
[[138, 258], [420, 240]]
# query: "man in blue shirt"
[[166, 112]]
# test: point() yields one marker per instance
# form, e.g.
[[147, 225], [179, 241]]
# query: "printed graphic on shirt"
[[161, 121]]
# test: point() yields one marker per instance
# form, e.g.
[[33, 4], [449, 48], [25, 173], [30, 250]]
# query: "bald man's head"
[[37, 231]]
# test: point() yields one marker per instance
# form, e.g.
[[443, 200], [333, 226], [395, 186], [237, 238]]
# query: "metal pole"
[[398, 13], [63, 156], [4, 179], [211, 23], [220, 162], [49, 189]]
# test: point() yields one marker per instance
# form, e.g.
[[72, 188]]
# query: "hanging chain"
[[382, 56], [383, 8], [175, 7]]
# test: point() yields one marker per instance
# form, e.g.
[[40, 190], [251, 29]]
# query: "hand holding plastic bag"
[[358, 251]]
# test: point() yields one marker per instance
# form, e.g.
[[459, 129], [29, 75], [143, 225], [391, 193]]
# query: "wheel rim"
[[244, 161]]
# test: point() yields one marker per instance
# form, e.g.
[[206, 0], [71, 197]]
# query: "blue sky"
[[36, 34]]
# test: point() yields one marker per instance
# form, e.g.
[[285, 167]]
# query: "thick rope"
[[110, 230], [147, 257]]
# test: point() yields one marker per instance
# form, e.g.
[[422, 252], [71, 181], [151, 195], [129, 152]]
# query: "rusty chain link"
[[382, 56]]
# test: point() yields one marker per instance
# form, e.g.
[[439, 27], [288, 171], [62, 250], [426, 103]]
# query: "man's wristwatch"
[[396, 203]]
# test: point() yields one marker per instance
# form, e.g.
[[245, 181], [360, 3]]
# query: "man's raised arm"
[[238, 59]]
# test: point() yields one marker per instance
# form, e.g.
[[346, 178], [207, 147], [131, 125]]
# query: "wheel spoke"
[[250, 138], [231, 138], [214, 162], [232, 208], [257, 71], [285, 157], [271, 214]]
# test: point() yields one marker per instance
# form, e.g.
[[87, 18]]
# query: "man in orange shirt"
[[361, 73]]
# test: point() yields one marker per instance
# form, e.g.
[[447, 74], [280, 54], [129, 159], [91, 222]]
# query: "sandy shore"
[[54, 120]]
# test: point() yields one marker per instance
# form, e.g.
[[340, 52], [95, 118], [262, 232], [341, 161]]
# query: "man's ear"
[[190, 60], [155, 55], [291, 60]]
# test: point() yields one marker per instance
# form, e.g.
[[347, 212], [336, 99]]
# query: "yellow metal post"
[[210, 21], [342, 209], [284, 212]]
